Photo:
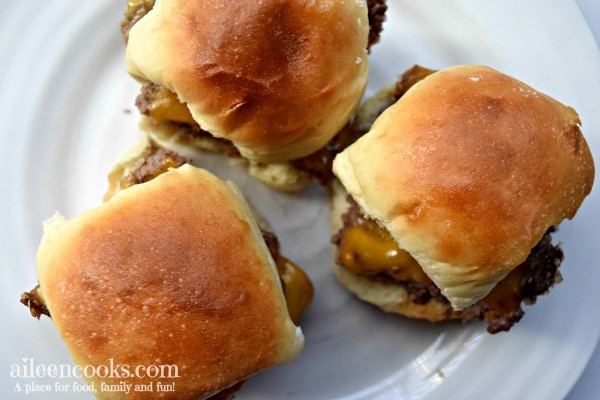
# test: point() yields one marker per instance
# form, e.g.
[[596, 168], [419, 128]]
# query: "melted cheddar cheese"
[[164, 106], [366, 253], [506, 295], [297, 287]]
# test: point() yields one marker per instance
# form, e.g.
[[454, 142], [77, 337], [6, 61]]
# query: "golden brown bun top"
[[169, 272], [277, 78], [467, 171]]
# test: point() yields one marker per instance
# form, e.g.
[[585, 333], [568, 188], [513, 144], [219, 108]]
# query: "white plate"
[[67, 113]]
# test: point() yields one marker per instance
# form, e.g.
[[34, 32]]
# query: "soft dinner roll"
[[467, 171], [277, 78], [173, 272]]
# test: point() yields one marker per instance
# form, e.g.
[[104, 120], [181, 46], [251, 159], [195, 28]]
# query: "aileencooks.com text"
[[29, 369]]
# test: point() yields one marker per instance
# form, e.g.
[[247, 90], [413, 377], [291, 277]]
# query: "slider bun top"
[[467, 171], [169, 272], [277, 78]]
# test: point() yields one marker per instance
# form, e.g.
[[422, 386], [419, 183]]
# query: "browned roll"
[[276, 78], [466, 172], [173, 272]]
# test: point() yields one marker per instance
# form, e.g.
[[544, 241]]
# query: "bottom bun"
[[282, 176], [392, 297]]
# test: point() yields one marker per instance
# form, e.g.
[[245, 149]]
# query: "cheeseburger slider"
[[448, 202], [172, 270], [269, 83]]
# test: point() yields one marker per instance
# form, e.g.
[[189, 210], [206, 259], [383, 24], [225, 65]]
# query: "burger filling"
[[365, 248]]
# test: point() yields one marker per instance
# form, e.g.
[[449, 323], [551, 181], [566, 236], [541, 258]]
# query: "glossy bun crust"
[[169, 272], [276, 78], [467, 171]]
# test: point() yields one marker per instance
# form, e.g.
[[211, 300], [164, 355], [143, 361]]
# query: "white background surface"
[[58, 183], [588, 385]]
